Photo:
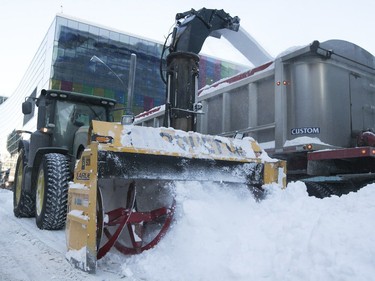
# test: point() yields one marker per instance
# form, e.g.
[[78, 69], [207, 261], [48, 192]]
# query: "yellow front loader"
[[122, 196]]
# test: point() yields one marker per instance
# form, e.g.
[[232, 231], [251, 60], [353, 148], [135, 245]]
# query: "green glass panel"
[[87, 90], [77, 87], [55, 84], [99, 92]]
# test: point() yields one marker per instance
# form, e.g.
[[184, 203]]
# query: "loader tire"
[[23, 202], [52, 191]]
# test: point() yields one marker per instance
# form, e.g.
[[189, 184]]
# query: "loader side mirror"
[[27, 107], [127, 119]]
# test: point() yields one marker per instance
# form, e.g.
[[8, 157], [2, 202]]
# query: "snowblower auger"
[[122, 195]]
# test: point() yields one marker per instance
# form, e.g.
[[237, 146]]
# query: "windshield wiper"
[[93, 110]]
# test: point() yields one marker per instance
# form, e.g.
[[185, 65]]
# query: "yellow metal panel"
[[76, 234], [275, 172], [78, 219], [81, 229]]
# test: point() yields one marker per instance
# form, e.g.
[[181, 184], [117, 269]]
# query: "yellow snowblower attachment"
[[122, 195]]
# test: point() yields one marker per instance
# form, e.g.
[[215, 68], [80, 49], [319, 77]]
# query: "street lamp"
[[128, 117], [96, 59]]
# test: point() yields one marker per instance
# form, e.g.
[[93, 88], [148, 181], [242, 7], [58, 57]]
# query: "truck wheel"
[[52, 191], [23, 202]]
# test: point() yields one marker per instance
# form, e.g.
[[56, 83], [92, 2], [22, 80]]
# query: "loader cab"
[[68, 118], [64, 118], [46, 161]]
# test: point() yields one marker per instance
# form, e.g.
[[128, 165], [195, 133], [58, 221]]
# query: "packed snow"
[[168, 141], [304, 140], [219, 233]]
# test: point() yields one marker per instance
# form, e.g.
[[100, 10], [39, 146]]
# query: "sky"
[[276, 25]]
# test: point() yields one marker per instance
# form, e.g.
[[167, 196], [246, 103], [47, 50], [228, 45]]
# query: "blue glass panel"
[[94, 30], [83, 27], [119, 96], [124, 38], [103, 35], [115, 36], [73, 24], [59, 23], [75, 46]]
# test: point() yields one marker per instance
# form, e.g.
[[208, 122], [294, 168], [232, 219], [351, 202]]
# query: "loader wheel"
[[23, 202], [52, 191]]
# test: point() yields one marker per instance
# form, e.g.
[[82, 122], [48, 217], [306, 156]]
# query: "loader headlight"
[[102, 139], [55, 95], [47, 129]]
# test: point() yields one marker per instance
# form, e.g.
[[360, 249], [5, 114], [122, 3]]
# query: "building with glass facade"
[[63, 62]]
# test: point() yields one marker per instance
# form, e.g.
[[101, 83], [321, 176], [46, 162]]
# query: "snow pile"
[[219, 234], [153, 112], [77, 186], [212, 88], [295, 142], [222, 234], [79, 214], [304, 140], [169, 141], [78, 257], [235, 78]]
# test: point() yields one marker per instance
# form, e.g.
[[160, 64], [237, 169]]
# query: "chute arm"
[[193, 27], [191, 30]]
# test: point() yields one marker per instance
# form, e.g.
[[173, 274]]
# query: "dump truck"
[[47, 159], [122, 195], [312, 106]]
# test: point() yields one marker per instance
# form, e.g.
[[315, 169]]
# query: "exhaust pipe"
[[128, 117]]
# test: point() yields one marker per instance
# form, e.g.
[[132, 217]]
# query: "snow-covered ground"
[[219, 234]]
